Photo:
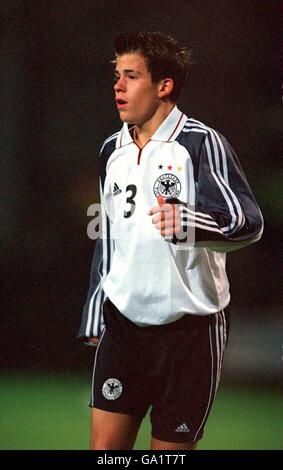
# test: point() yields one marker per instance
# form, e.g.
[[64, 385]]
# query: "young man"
[[174, 200]]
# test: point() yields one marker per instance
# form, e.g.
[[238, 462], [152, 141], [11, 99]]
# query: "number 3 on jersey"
[[130, 200]]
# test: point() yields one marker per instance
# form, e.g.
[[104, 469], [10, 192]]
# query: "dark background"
[[56, 110]]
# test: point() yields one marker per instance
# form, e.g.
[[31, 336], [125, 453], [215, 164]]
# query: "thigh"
[[187, 389], [113, 431], [117, 385]]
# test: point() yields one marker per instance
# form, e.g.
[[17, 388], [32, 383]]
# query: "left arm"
[[226, 216]]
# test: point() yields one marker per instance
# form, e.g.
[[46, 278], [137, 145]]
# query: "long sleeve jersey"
[[152, 280]]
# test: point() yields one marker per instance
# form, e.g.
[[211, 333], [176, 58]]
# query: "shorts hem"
[[121, 411], [176, 439]]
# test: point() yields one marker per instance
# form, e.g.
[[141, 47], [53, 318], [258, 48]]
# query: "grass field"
[[51, 413]]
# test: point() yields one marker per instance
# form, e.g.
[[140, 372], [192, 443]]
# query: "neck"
[[143, 132]]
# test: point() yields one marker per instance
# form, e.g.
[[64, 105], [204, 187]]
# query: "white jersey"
[[153, 281]]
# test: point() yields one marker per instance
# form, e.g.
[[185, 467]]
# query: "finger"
[[172, 231], [164, 224], [169, 213], [156, 209], [163, 216], [153, 210]]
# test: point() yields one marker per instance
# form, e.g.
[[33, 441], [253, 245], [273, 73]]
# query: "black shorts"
[[175, 368]]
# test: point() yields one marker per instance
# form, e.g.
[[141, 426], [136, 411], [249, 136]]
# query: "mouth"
[[120, 103]]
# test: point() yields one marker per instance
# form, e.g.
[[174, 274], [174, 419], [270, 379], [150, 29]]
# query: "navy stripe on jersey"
[[218, 165], [218, 177], [106, 151], [113, 136]]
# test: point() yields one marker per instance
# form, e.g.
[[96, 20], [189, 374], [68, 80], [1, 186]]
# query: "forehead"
[[131, 61]]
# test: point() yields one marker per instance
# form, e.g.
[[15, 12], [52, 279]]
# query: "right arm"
[[92, 323]]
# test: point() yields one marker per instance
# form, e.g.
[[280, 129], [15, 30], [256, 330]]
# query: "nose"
[[120, 85]]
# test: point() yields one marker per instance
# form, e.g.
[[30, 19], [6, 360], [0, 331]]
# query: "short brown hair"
[[164, 56]]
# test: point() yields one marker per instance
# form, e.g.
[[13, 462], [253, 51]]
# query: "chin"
[[128, 120], [123, 117]]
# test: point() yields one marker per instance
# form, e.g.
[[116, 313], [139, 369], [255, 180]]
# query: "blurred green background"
[[50, 412], [56, 110]]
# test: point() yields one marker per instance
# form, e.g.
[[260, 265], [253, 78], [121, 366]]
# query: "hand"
[[166, 218], [94, 340]]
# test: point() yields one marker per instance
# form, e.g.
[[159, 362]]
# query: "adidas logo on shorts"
[[182, 428]]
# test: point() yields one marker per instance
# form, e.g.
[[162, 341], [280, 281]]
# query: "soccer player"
[[174, 200]]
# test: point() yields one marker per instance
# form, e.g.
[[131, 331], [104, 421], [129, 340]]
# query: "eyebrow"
[[127, 71]]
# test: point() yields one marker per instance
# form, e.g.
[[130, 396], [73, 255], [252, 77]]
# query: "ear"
[[166, 87]]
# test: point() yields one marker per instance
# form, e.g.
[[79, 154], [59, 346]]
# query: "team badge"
[[167, 185], [112, 389]]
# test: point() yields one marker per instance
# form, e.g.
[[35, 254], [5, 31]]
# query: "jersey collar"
[[168, 130]]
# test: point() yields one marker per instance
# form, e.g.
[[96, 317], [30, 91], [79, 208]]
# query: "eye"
[[115, 78]]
